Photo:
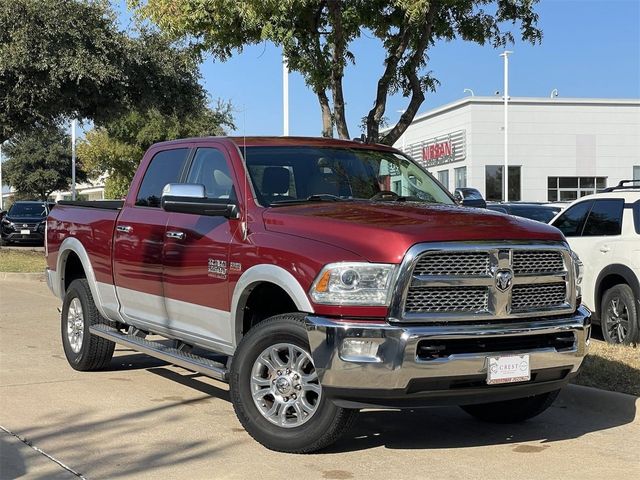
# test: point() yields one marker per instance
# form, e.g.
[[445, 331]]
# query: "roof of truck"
[[272, 141]]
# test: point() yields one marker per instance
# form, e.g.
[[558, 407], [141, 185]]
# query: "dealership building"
[[559, 148]]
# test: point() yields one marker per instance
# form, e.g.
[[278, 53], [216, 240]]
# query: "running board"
[[171, 355]]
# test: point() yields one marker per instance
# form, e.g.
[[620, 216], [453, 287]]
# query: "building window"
[[460, 175], [567, 189], [636, 172], [494, 183], [443, 178]]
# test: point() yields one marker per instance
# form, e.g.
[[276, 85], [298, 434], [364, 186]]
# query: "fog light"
[[360, 350]]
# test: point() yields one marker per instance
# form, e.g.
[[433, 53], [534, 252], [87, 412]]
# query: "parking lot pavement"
[[145, 419]]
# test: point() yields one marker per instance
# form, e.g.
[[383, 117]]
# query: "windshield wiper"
[[321, 197]]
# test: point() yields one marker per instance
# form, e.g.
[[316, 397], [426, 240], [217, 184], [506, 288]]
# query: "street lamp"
[[468, 90], [554, 93], [73, 159], [505, 173], [285, 96]]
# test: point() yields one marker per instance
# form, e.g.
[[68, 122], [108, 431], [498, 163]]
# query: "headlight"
[[578, 271], [353, 284]]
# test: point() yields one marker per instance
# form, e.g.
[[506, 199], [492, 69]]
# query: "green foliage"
[[64, 58], [39, 162], [316, 34], [117, 147]]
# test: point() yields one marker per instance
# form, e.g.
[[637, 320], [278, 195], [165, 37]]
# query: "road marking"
[[42, 452]]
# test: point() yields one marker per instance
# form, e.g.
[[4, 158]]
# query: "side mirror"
[[192, 198]]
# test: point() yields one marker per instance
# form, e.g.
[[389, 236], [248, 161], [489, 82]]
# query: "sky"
[[590, 48]]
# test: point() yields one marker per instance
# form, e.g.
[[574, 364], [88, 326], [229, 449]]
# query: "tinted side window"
[[570, 222], [605, 218], [636, 216], [210, 168], [165, 167]]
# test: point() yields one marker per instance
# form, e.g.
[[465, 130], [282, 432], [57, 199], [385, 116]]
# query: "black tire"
[[512, 411], [323, 428], [95, 352], [625, 327]]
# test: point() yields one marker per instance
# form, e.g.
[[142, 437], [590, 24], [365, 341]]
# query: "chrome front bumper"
[[399, 372]]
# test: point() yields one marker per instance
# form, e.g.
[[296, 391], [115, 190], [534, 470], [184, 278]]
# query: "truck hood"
[[383, 232], [21, 219]]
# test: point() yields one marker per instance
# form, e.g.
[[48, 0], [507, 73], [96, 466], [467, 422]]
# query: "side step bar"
[[172, 355]]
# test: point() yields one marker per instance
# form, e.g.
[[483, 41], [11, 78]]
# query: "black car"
[[469, 197], [24, 222], [534, 211]]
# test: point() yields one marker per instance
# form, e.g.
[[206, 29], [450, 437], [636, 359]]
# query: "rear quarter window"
[[636, 216]]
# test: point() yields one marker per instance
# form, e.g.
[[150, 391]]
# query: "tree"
[[316, 34], [39, 162], [117, 147], [67, 58]]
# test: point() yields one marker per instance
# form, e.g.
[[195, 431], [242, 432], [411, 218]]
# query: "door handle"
[[176, 235], [124, 228], [605, 248]]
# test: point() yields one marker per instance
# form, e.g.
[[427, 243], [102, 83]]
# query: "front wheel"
[[619, 315], [276, 393], [512, 411]]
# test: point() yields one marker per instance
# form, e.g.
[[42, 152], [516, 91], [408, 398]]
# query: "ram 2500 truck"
[[318, 277]]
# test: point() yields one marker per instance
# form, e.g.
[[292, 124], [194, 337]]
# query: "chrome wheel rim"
[[285, 386], [617, 320], [75, 325]]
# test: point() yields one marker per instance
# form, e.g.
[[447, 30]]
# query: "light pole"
[[285, 96], [505, 173], [468, 90], [1, 184], [73, 159]]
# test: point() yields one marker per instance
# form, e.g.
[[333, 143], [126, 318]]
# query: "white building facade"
[[559, 148]]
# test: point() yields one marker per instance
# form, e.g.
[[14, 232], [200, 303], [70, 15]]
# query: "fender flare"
[[71, 244], [264, 273], [622, 271]]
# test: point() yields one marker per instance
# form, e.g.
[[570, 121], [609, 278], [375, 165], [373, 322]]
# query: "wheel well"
[[265, 300], [73, 269], [606, 283]]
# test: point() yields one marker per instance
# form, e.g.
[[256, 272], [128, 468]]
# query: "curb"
[[30, 277]]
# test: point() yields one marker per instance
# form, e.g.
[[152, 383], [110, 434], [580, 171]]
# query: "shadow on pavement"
[[578, 411]]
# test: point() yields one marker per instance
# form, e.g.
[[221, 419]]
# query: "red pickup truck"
[[318, 277]]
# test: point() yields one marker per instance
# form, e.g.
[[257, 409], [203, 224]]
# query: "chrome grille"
[[454, 263], [537, 261], [538, 296], [478, 281], [447, 299]]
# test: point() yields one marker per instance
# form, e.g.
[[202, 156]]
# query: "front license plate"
[[25, 232], [508, 369]]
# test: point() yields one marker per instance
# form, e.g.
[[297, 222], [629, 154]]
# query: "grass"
[[611, 367], [21, 262]]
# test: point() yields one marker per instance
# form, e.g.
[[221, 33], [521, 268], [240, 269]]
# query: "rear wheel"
[[512, 411], [619, 315], [276, 393], [84, 351]]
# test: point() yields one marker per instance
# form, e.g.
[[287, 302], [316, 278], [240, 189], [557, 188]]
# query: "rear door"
[[139, 240], [196, 256]]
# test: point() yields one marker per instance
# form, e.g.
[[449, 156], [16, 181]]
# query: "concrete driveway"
[[145, 419]]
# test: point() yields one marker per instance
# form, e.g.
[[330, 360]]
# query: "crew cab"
[[604, 230], [319, 277]]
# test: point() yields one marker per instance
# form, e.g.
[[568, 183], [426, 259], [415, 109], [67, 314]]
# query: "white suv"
[[604, 230]]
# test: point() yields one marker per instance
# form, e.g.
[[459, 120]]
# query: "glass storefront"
[[494, 184], [567, 189]]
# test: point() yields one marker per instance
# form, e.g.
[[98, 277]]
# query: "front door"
[[196, 257], [139, 240]]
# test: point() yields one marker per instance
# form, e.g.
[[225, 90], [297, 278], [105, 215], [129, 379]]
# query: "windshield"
[[28, 210], [283, 175]]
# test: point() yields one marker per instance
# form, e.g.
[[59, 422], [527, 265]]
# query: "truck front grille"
[[458, 282]]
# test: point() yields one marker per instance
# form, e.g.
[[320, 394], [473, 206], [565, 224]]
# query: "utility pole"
[[505, 172], [285, 96], [73, 159]]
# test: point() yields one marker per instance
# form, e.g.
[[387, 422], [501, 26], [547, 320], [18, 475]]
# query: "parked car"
[[24, 222], [604, 229], [469, 197], [331, 275], [534, 211]]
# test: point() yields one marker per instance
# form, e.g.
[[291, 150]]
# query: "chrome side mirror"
[[192, 198]]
